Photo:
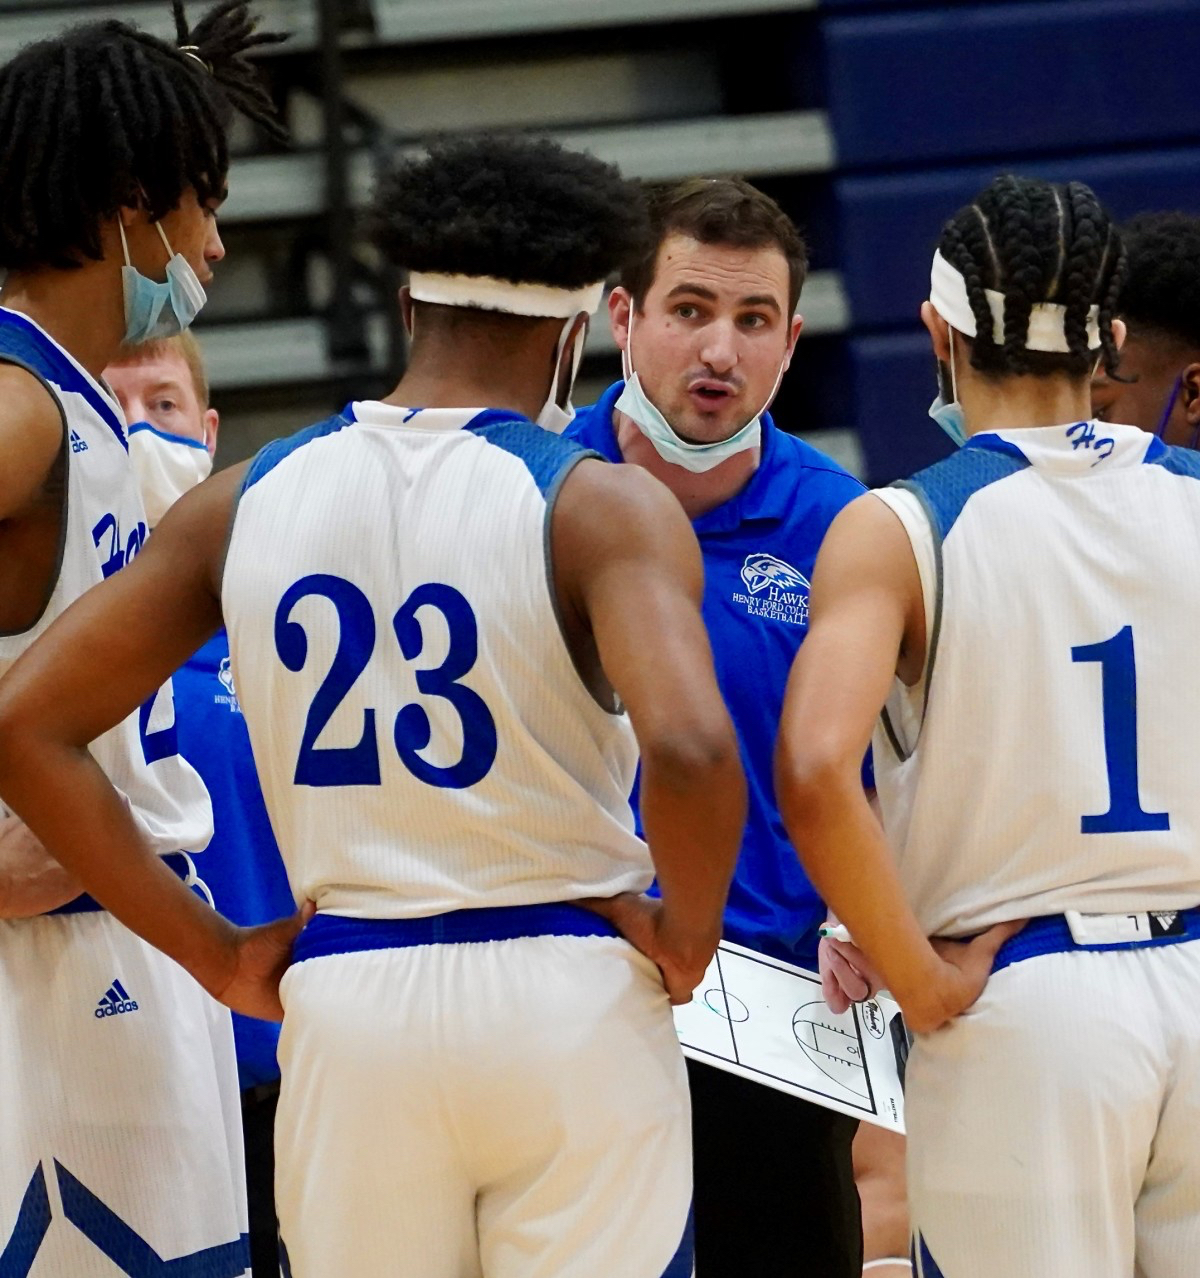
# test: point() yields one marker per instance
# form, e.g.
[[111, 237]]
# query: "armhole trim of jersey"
[[613, 707], [897, 749], [65, 452], [935, 629]]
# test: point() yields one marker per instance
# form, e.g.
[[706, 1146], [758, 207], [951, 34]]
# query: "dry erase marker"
[[836, 932]]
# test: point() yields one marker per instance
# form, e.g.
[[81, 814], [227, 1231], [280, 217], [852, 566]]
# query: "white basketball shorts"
[[1054, 1128], [120, 1119], [512, 1108]]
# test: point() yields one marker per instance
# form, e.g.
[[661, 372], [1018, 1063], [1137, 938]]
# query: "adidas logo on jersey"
[[115, 1002], [1167, 923], [78, 443]]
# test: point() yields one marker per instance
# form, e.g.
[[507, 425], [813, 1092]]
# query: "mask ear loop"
[[1169, 409], [559, 347], [627, 353], [162, 235], [771, 396], [953, 374]]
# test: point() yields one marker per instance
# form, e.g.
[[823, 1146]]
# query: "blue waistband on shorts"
[[335, 934], [1052, 935], [86, 904]]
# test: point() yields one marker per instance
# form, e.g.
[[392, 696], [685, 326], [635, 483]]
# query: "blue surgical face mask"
[[698, 458], [154, 310], [949, 416]]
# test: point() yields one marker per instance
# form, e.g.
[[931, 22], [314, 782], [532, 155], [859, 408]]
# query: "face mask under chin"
[[667, 443], [156, 310]]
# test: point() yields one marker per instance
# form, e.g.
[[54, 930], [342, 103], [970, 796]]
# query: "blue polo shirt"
[[759, 549], [241, 866]]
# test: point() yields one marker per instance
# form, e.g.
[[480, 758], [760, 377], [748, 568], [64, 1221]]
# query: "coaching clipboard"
[[766, 1021]]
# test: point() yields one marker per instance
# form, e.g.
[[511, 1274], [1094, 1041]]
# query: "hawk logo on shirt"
[[761, 571], [777, 590], [230, 699]]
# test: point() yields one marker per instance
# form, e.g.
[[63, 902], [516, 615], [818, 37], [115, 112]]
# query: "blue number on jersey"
[[1119, 692], [413, 729], [332, 765], [359, 765]]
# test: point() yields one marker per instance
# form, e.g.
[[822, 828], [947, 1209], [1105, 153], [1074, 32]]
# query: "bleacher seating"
[[871, 120]]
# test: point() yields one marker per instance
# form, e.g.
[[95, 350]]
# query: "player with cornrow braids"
[[120, 1127], [1009, 630], [1036, 244], [1024, 253], [967, 245], [1089, 248]]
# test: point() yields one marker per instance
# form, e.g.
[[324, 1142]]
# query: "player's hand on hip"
[[31, 881], [681, 959], [846, 974], [965, 968], [263, 955]]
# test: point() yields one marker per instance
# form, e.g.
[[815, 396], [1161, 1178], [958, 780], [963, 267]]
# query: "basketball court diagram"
[[767, 1021]]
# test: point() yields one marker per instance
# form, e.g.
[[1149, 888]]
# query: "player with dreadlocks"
[[1011, 624], [119, 1126], [1159, 384]]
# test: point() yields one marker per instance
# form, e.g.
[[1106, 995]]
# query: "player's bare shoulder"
[[608, 509], [616, 534]]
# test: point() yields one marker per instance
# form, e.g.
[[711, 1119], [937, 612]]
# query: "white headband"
[[487, 293], [1047, 320]]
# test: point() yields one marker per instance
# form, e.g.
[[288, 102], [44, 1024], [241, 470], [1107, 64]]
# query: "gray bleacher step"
[[293, 351], [268, 187], [27, 24], [413, 21], [278, 352], [398, 22]]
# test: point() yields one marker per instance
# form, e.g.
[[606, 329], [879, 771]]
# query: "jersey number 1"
[[359, 764], [1119, 692]]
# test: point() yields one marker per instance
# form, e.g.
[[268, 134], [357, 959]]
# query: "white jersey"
[[105, 526], [423, 739], [1046, 761]]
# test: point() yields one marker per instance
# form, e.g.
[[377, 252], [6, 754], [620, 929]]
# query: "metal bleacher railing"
[[274, 188]]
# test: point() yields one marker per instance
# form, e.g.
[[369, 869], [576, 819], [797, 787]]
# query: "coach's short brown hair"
[[715, 211]]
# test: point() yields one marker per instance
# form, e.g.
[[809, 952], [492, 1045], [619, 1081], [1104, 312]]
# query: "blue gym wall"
[[928, 103]]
